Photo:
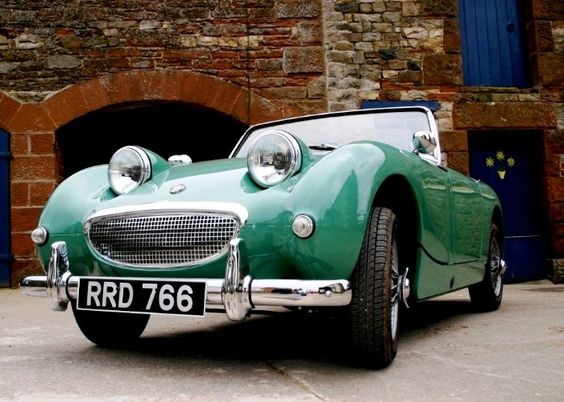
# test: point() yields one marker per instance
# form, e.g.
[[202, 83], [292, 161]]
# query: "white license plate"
[[142, 296]]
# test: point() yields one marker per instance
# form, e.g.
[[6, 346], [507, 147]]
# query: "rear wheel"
[[374, 309], [487, 294], [110, 329]]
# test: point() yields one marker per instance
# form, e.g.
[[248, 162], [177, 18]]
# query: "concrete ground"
[[447, 352]]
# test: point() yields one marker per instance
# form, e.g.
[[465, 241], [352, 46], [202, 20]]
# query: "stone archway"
[[179, 86]]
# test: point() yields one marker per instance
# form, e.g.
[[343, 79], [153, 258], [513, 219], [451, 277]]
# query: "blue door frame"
[[5, 256]]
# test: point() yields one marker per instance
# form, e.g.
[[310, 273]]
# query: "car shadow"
[[320, 337]]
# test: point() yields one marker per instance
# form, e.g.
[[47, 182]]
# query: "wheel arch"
[[397, 194]]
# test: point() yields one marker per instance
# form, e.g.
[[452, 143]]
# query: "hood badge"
[[178, 188]]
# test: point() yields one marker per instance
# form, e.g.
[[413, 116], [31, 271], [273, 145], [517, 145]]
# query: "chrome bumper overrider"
[[237, 293]]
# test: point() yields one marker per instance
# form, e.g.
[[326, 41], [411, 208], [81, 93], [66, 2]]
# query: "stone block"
[[285, 93], [439, 8], [309, 32], [556, 270], [28, 42], [451, 39], [410, 9], [30, 118], [391, 16], [454, 141], [316, 88], [346, 7], [548, 9], [63, 61], [442, 69], [551, 69], [303, 60], [555, 189], [297, 9], [503, 115]]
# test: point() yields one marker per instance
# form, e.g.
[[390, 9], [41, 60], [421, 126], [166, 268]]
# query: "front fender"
[[338, 193]]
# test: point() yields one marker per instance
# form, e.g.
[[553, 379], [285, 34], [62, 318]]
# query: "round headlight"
[[129, 168], [273, 157]]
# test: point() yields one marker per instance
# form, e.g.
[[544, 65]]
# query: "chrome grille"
[[162, 240]]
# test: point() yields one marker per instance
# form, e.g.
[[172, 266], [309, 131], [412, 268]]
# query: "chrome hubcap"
[[395, 289], [496, 267]]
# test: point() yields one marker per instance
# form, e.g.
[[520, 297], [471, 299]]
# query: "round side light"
[[303, 226], [39, 235]]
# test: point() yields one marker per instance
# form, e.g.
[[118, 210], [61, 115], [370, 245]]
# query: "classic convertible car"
[[351, 211]]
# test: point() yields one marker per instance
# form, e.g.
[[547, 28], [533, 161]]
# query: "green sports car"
[[352, 211]]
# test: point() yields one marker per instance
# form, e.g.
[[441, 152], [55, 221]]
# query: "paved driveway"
[[447, 352]]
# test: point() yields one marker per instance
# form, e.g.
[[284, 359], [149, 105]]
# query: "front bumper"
[[238, 293]]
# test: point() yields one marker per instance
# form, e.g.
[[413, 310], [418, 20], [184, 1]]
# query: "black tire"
[[374, 309], [110, 329], [487, 295]]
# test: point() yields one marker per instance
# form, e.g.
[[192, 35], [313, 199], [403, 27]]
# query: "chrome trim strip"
[[165, 207], [238, 294]]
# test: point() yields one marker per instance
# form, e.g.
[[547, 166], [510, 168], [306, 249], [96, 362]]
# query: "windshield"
[[325, 132]]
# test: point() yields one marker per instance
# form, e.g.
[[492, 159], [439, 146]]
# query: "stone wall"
[[271, 46]]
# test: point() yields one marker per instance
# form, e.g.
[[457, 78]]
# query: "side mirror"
[[177, 160], [423, 143]]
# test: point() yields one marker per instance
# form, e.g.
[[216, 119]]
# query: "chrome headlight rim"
[[295, 152], [145, 169]]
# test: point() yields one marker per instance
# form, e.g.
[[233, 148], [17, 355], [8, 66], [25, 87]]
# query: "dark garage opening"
[[167, 128]]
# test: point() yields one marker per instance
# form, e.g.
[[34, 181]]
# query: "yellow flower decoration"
[[510, 162], [500, 155], [489, 162]]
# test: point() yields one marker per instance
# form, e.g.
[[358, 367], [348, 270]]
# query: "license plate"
[[142, 296]]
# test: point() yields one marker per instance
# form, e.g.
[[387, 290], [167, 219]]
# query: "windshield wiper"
[[323, 147]]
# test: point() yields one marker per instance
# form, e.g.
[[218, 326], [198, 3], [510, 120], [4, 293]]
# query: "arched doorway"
[[162, 126]]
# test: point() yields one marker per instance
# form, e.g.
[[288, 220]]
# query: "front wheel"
[[110, 329], [486, 295], [374, 309]]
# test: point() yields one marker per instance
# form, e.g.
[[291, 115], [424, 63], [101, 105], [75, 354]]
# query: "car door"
[[466, 218]]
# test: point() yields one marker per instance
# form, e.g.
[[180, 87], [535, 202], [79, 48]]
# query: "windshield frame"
[[434, 158]]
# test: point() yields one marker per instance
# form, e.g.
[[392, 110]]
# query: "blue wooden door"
[[511, 164], [5, 256], [493, 43]]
